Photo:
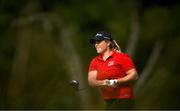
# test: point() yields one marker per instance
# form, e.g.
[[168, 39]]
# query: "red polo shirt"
[[114, 67]]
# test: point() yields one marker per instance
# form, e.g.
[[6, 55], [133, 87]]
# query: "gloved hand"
[[112, 82]]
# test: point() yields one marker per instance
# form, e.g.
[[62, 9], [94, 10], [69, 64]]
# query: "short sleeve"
[[126, 63], [93, 65]]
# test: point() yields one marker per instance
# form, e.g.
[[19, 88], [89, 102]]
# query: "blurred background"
[[45, 43]]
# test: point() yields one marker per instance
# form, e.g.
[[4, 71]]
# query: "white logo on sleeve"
[[111, 63]]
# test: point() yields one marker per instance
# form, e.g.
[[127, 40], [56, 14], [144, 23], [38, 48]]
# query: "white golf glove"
[[112, 82]]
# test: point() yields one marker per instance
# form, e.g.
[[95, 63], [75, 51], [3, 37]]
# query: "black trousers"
[[119, 104]]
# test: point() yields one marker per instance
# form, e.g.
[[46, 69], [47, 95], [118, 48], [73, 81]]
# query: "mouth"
[[98, 49]]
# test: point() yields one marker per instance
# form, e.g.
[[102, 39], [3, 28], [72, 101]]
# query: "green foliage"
[[44, 44]]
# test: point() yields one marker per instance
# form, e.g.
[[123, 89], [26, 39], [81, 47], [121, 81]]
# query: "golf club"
[[75, 85]]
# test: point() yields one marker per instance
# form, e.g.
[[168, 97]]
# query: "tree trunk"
[[148, 67], [134, 29], [73, 64], [19, 66]]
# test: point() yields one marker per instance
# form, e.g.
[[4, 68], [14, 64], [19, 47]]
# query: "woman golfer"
[[113, 72]]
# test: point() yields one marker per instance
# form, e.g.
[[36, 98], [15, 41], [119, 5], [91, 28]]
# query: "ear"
[[108, 43]]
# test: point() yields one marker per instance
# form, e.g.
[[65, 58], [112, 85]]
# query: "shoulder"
[[122, 55], [124, 59]]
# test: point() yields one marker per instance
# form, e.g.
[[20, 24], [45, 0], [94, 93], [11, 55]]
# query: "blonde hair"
[[114, 46], [117, 47]]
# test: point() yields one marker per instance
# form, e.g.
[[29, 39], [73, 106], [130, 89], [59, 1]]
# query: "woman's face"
[[101, 46]]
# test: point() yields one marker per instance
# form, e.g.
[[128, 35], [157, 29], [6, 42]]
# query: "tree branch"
[[149, 66]]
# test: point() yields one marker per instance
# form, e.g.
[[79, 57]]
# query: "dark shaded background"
[[44, 45]]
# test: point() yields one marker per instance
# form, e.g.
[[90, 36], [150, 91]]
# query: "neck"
[[106, 54]]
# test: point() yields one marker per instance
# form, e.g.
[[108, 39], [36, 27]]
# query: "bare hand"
[[105, 83]]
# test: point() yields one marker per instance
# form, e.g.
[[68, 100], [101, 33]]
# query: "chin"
[[99, 52]]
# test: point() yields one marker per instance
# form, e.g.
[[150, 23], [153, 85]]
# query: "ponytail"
[[116, 46]]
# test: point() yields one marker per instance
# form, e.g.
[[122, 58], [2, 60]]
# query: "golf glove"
[[112, 82]]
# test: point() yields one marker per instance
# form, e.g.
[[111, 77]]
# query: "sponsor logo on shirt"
[[126, 95], [111, 63]]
